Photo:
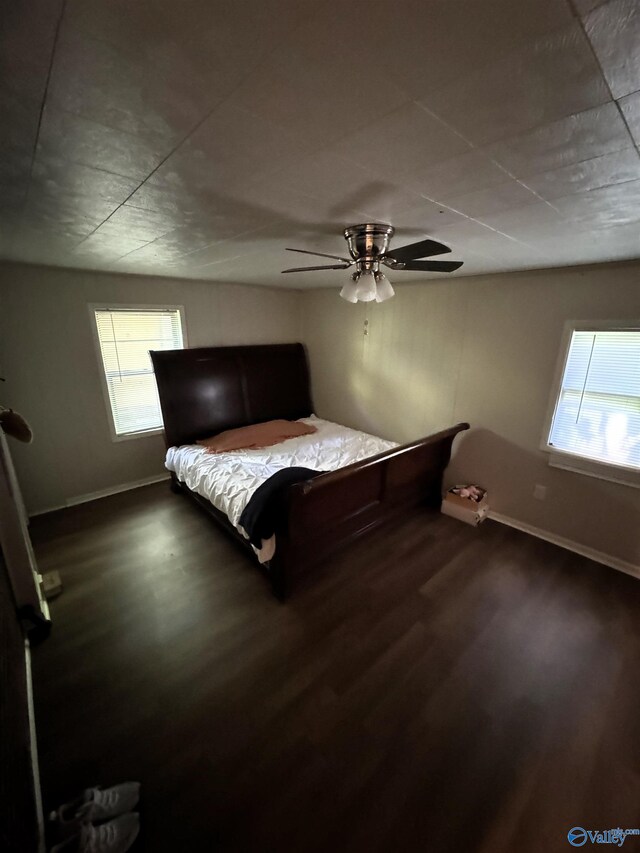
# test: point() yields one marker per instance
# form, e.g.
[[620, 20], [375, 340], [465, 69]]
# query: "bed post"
[[174, 485], [278, 574]]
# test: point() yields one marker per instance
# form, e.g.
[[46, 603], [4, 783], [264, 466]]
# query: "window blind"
[[597, 413], [125, 338]]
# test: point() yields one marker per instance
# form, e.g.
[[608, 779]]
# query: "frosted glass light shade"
[[384, 290], [366, 287], [348, 292]]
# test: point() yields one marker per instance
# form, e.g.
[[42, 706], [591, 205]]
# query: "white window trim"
[[110, 306], [574, 462]]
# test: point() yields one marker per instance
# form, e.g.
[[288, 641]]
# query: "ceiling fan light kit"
[[369, 247], [367, 287]]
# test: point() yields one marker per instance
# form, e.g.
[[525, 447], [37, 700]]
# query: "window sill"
[[143, 434], [592, 468]]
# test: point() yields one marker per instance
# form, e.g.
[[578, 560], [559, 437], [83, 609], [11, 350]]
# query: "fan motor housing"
[[367, 242]]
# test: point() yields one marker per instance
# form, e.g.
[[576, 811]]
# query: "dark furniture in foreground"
[[206, 390]]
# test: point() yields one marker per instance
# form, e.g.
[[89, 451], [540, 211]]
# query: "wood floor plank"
[[434, 687]]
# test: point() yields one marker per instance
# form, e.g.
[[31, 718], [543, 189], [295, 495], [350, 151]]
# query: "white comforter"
[[229, 479]]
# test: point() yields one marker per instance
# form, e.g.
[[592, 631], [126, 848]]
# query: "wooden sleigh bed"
[[204, 391]]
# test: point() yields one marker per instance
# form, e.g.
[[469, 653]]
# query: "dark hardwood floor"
[[434, 688]]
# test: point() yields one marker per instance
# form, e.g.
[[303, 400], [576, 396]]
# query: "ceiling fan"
[[369, 247]]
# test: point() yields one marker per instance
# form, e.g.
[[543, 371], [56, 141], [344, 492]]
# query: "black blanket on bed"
[[260, 516]]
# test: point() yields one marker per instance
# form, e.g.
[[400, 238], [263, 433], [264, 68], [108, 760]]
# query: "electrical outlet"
[[540, 492]]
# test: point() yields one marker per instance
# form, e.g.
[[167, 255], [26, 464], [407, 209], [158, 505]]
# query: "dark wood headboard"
[[209, 389]]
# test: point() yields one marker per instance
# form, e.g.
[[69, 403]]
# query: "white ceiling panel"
[[200, 138], [424, 46], [127, 221], [585, 6], [631, 110], [19, 128], [64, 213], [528, 224], [495, 199], [611, 244], [221, 42], [145, 26], [13, 194], [15, 169], [616, 168], [102, 248], [295, 212], [147, 197], [479, 239], [27, 35], [422, 136], [151, 254], [523, 89], [314, 87], [230, 146], [569, 140], [92, 79], [56, 176], [327, 175], [424, 218], [615, 205], [614, 31], [89, 143], [229, 250], [180, 242], [43, 247], [221, 220], [465, 173]]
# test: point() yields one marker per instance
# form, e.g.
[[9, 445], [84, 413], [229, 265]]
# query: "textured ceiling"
[[198, 138]]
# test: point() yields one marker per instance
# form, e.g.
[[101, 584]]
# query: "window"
[[125, 335], [596, 415]]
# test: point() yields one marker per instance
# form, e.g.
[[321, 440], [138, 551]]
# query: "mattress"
[[229, 480]]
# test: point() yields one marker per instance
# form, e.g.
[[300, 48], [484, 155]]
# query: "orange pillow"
[[255, 435]]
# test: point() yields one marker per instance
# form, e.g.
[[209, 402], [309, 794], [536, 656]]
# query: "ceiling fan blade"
[[432, 266], [423, 249], [330, 267], [321, 255]]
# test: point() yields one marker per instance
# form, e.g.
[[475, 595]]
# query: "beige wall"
[[484, 350], [48, 358]]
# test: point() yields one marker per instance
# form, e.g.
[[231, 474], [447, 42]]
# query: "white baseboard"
[[103, 493], [569, 544]]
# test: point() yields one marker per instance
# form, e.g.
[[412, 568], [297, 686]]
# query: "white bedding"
[[229, 479]]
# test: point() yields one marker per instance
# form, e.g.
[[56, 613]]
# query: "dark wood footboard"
[[333, 509]]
